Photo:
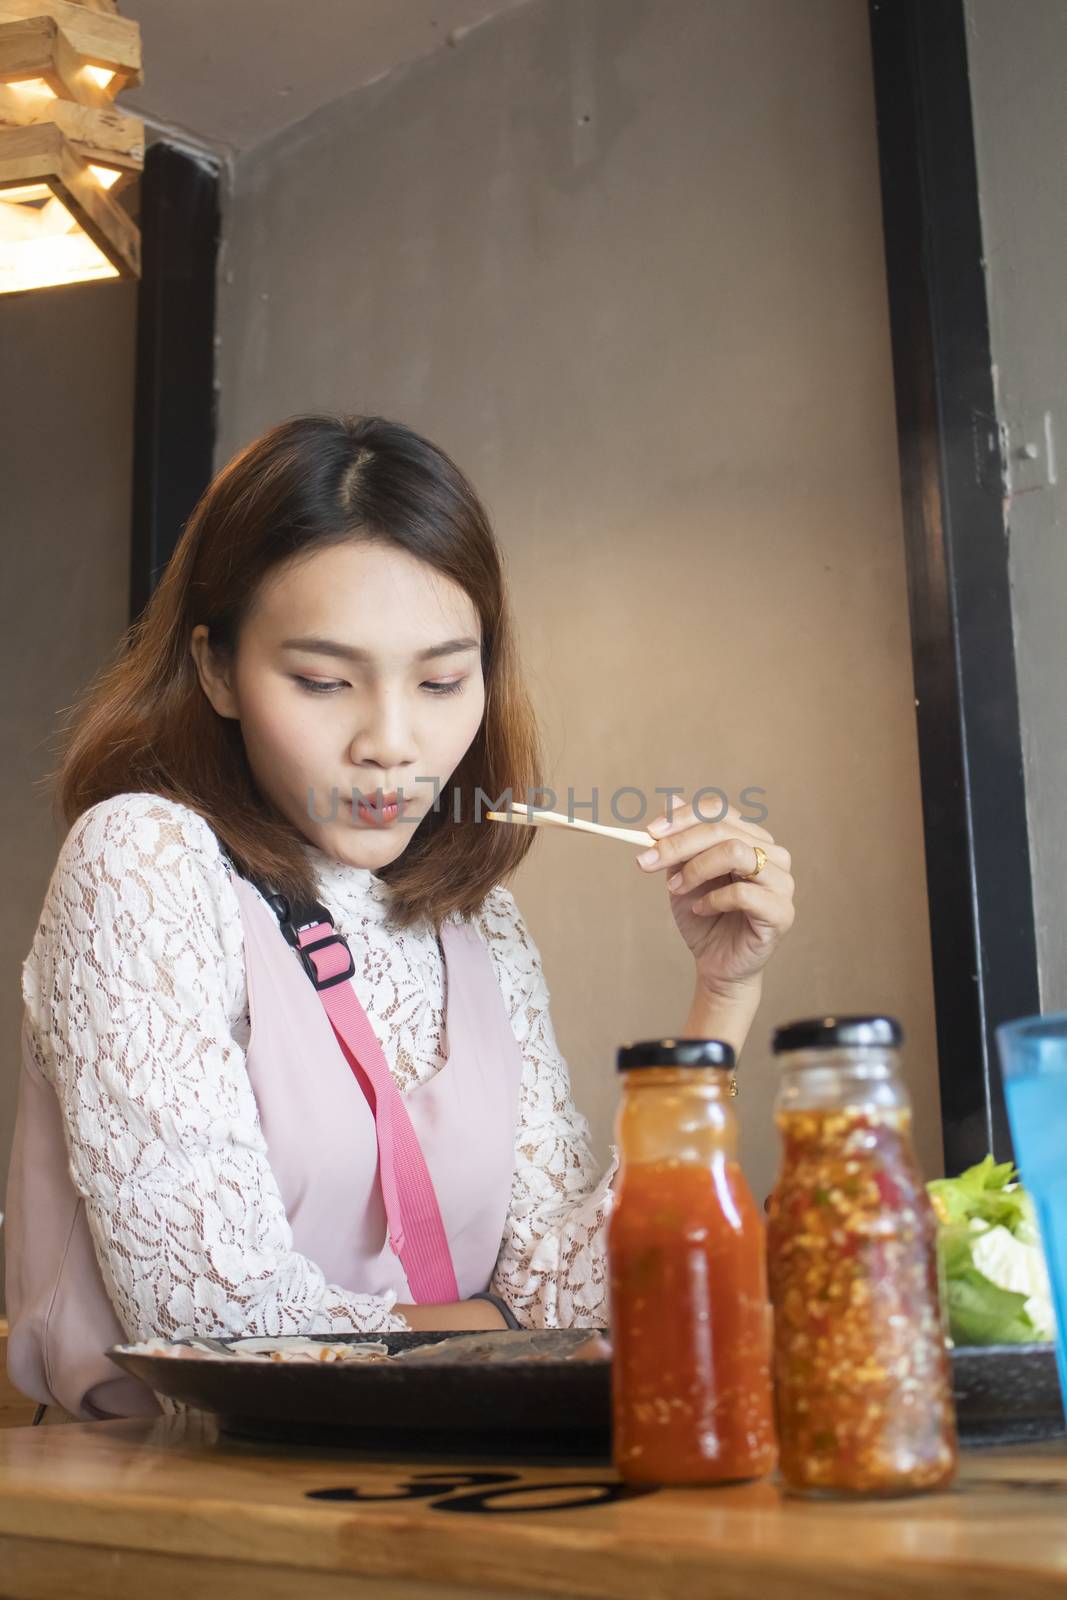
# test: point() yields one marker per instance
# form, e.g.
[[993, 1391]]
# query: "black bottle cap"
[[824, 1033], [674, 1053]]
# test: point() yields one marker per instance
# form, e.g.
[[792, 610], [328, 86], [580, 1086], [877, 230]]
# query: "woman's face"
[[358, 668]]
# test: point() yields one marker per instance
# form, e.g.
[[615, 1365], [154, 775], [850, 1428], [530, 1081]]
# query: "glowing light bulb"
[[43, 244], [33, 88], [105, 176]]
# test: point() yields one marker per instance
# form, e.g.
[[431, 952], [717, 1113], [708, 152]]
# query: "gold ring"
[[761, 862]]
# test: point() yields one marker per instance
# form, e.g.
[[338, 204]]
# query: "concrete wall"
[[1018, 57], [624, 261], [66, 446]]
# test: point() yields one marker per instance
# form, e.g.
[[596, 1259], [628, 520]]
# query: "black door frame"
[[981, 913], [952, 478], [174, 406]]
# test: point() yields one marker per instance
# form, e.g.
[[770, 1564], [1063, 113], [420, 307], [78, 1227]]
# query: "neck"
[[324, 863]]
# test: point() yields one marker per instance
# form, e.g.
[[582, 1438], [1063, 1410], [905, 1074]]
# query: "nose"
[[386, 737]]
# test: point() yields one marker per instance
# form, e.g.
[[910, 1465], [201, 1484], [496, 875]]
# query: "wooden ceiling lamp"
[[65, 151]]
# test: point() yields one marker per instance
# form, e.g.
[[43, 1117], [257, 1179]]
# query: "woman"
[[193, 1154]]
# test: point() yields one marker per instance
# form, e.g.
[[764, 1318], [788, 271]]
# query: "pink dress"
[[322, 1148]]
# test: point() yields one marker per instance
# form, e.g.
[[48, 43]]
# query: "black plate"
[[1007, 1393], [543, 1405], [1003, 1393]]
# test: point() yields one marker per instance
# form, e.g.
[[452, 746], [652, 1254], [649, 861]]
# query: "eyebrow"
[[330, 647]]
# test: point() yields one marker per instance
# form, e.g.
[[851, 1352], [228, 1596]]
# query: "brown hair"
[[145, 723]]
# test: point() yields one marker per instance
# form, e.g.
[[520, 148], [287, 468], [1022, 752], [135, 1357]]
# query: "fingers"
[[683, 816], [712, 849], [763, 906], [720, 862]]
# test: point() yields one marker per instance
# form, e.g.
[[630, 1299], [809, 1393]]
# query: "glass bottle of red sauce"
[[863, 1384], [690, 1315]]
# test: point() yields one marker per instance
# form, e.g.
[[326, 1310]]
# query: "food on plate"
[[533, 1344], [289, 1348], [595, 1348], [513, 1345], [296, 1347]]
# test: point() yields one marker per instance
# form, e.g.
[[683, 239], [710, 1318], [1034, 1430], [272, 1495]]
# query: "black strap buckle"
[[305, 917]]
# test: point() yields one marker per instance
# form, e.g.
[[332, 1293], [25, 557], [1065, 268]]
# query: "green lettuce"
[[980, 1194], [986, 1203]]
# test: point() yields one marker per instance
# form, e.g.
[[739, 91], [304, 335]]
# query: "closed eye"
[[325, 686], [445, 688]]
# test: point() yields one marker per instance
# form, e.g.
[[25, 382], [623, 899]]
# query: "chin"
[[366, 850]]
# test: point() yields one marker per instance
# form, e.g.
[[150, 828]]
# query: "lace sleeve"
[[133, 984], [552, 1267]]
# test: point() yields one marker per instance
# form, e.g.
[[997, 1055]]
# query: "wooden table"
[[142, 1508]]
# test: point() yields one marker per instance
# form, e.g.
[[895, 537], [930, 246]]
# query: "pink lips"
[[378, 814]]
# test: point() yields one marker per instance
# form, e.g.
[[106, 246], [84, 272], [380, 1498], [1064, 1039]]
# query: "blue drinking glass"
[[1033, 1064]]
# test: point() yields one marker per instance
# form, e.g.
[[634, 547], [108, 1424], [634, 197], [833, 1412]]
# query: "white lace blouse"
[[138, 1010]]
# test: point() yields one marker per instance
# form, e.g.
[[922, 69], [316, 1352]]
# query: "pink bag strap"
[[416, 1231]]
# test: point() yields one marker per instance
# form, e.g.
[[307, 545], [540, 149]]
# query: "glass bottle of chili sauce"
[[863, 1384], [690, 1314]]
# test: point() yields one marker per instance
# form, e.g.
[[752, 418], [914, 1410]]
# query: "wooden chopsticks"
[[558, 819]]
